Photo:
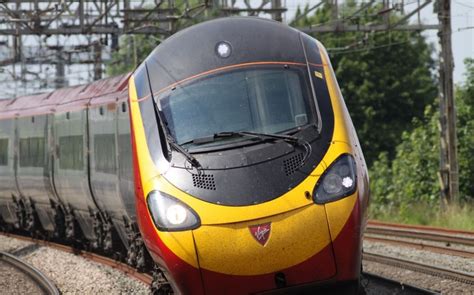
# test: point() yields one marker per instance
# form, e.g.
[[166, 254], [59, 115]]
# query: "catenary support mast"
[[449, 171]]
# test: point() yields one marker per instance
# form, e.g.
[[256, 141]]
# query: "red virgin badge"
[[261, 232]]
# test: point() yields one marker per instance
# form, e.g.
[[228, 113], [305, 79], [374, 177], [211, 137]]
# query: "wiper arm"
[[262, 136], [285, 137], [258, 135], [191, 159]]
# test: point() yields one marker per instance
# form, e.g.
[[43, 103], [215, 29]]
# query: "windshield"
[[266, 100]]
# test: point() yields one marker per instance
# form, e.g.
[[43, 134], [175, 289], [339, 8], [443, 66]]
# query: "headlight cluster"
[[170, 214], [337, 182]]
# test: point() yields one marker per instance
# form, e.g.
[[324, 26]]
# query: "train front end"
[[249, 175]]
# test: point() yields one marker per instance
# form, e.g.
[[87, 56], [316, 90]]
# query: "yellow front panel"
[[338, 213], [295, 237]]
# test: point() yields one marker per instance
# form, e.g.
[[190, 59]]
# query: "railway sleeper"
[[106, 239], [30, 220], [159, 284], [132, 251], [73, 232], [3, 224], [19, 212], [143, 258], [70, 224], [98, 229], [27, 218], [108, 236], [136, 252], [59, 219]]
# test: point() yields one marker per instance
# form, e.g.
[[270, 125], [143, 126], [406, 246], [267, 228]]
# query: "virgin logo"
[[261, 232]]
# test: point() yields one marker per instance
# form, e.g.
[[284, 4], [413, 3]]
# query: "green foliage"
[[456, 216], [410, 182], [386, 78], [133, 49], [465, 131], [411, 177]]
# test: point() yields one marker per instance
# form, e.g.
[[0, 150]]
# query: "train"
[[227, 162]]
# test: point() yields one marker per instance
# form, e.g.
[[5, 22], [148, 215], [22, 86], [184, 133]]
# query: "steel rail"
[[373, 222], [124, 268], [394, 287], [421, 246], [43, 282], [442, 272], [417, 232]]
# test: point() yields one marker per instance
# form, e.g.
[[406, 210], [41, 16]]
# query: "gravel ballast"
[[13, 281], [425, 281], [73, 274], [422, 256], [10, 245]]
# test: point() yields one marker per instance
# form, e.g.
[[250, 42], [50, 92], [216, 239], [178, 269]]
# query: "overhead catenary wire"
[[463, 4], [69, 18]]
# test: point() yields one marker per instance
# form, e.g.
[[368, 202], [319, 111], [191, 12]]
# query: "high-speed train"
[[227, 160]]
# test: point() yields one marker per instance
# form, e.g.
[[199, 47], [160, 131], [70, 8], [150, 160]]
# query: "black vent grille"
[[204, 181], [292, 164]]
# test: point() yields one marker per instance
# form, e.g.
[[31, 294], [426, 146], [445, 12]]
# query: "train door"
[[104, 175], [71, 170], [127, 189], [33, 175], [8, 189]]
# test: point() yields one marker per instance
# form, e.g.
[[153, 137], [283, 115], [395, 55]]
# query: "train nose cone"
[[283, 250]]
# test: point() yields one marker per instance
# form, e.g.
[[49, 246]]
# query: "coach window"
[[71, 155], [125, 151], [3, 151], [104, 150], [32, 152]]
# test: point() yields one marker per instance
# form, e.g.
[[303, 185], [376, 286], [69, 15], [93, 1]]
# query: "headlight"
[[170, 214], [337, 182]]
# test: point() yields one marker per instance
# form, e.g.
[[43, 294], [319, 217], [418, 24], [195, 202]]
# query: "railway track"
[[422, 246], [126, 269], [426, 233], [376, 284], [39, 279], [419, 237], [376, 231], [433, 239], [437, 271]]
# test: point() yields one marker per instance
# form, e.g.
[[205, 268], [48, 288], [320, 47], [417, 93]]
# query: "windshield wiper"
[[293, 140], [262, 136], [191, 159], [173, 144]]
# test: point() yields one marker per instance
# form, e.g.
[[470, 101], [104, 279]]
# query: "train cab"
[[248, 172]]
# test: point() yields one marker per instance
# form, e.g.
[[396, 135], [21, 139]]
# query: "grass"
[[455, 216]]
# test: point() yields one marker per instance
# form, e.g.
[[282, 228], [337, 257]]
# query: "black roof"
[[193, 50]]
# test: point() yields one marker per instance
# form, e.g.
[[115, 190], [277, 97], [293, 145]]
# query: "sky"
[[462, 12]]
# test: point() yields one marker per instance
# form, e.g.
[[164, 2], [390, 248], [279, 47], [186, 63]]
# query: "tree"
[[465, 131], [386, 78], [133, 49], [411, 177]]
